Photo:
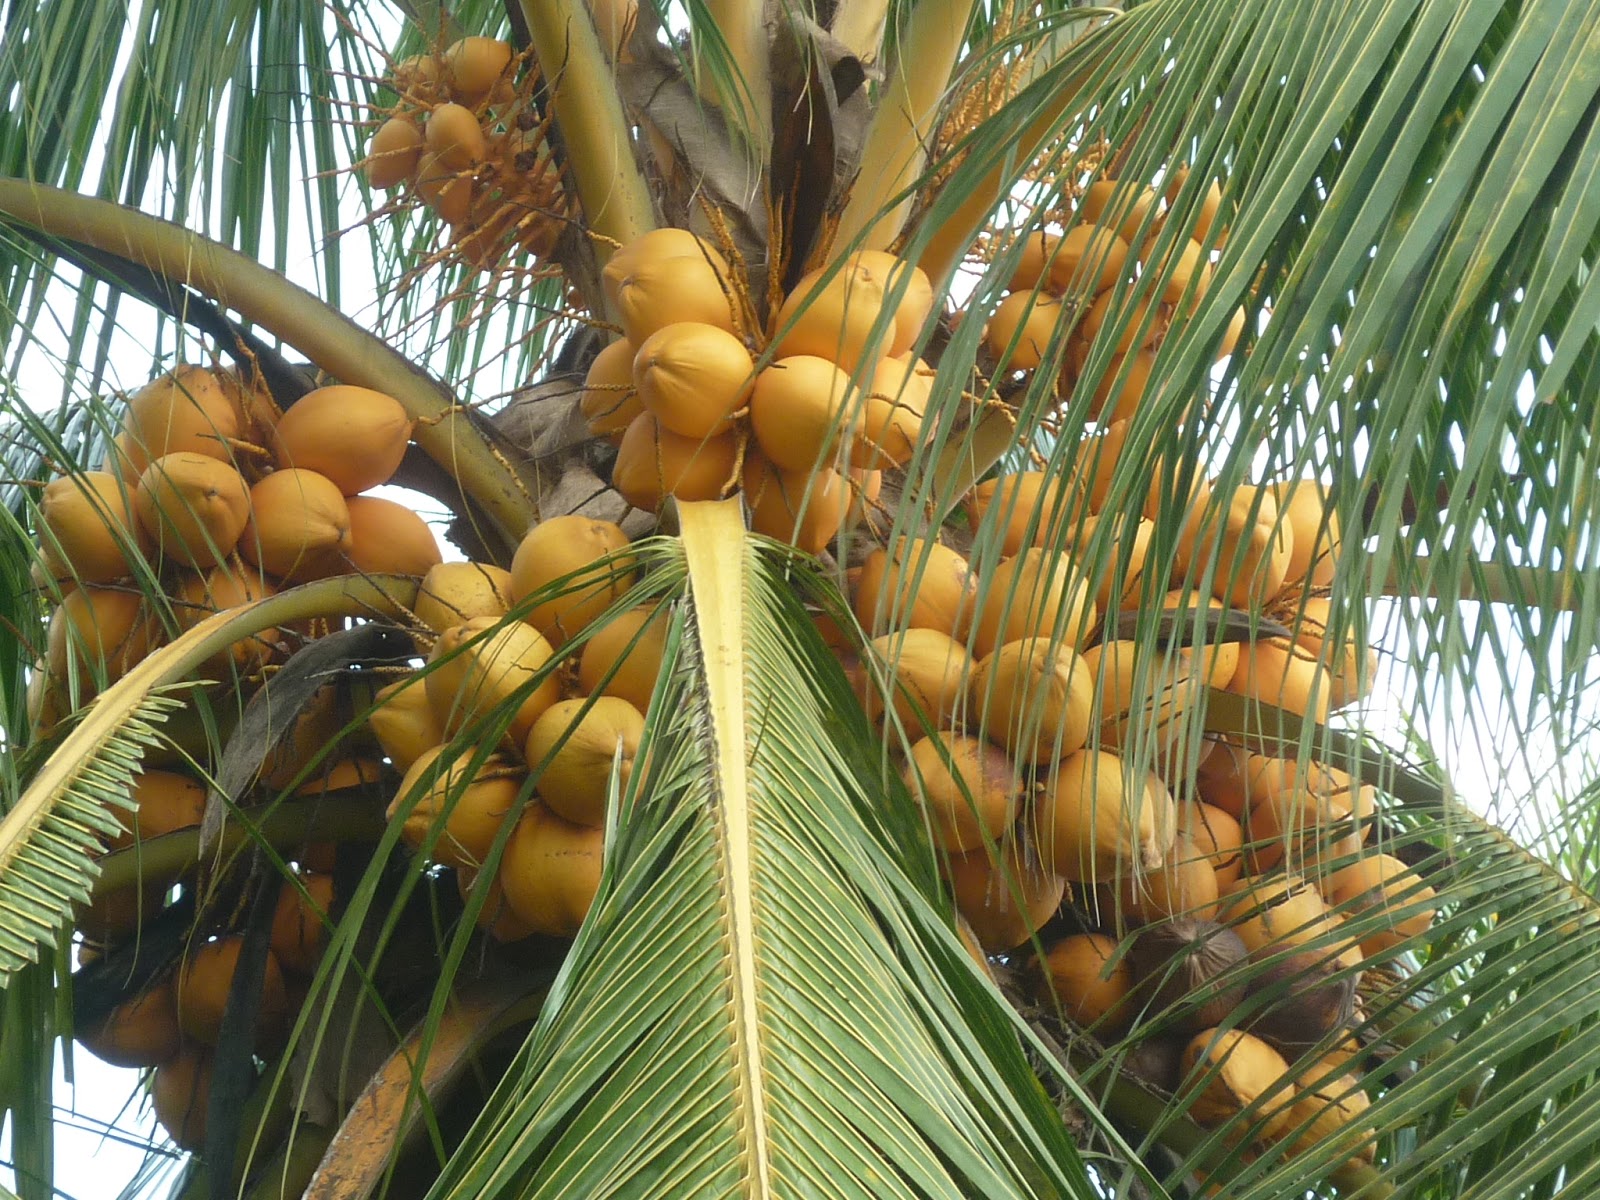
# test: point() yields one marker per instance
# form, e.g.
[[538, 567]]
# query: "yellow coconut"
[[1096, 818], [1315, 539], [1352, 667], [300, 922], [892, 410], [1285, 676], [1222, 777], [832, 314], [1252, 548], [913, 288], [968, 789], [351, 435], [1005, 899], [551, 871], [1123, 387], [1140, 325], [1183, 886], [1118, 205], [657, 292], [1330, 1104], [567, 552], [187, 410], [1143, 703], [445, 190], [141, 1032], [1088, 260], [454, 137], [1029, 508], [389, 539], [180, 1091], [1037, 250], [1217, 837], [1306, 811], [192, 507], [1279, 912], [455, 592], [803, 409], [165, 802], [475, 65], [609, 401], [299, 526], [419, 75], [1382, 884], [693, 377], [1215, 660], [1209, 206], [1188, 267], [86, 528], [198, 595], [805, 509], [452, 811], [393, 153], [573, 748], [1023, 328], [1035, 594], [203, 983], [1034, 697], [1088, 980], [654, 463], [404, 722], [916, 584], [486, 664], [495, 916], [1233, 1070], [624, 658], [348, 774], [653, 246], [925, 671], [1119, 573], [93, 631]]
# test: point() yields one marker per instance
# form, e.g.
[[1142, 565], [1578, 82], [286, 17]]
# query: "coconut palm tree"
[[1346, 244]]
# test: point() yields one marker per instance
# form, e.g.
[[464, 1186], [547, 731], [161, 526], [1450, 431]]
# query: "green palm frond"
[[755, 943]]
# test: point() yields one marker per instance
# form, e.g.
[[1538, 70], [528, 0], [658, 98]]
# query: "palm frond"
[[756, 942]]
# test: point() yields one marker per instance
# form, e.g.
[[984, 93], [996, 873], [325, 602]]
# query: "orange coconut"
[[87, 529], [475, 65], [1280, 912], [1216, 836], [1118, 205], [1088, 260], [1045, 501], [1188, 267], [916, 584], [454, 137], [141, 1032], [653, 463], [192, 507], [495, 917], [656, 292], [1140, 326], [351, 435], [693, 377], [199, 595], [925, 671], [1251, 546], [1119, 574], [892, 410], [1315, 537], [1091, 983], [610, 401], [1037, 250], [913, 288], [1184, 886], [96, 630], [447, 191], [348, 774], [485, 664], [299, 526], [389, 539], [1233, 1070], [205, 979], [452, 810], [1022, 329], [1094, 463], [1035, 697], [1005, 898], [1215, 659], [1222, 777], [300, 922], [404, 722], [1285, 676], [833, 312], [1035, 594], [186, 410], [455, 592], [180, 1092], [667, 242], [573, 747], [969, 789], [802, 409], [551, 871], [629, 651], [164, 802], [393, 153], [556, 550], [1097, 818], [1123, 387], [802, 508], [1381, 884]]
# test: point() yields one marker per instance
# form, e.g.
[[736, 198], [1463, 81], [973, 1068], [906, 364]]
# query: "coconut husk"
[[1304, 1001], [1179, 962]]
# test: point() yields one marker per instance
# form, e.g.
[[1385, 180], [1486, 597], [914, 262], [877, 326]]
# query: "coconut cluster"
[[466, 139], [1065, 288], [805, 437]]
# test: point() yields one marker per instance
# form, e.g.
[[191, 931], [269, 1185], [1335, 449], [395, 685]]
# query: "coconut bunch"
[[805, 437], [465, 138], [224, 502], [1063, 290], [547, 721]]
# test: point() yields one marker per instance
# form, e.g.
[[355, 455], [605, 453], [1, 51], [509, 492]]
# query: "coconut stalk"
[[894, 152], [859, 25], [746, 94], [593, 129], [484, 476]]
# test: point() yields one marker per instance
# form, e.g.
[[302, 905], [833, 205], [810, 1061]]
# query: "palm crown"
[[906, 724]]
